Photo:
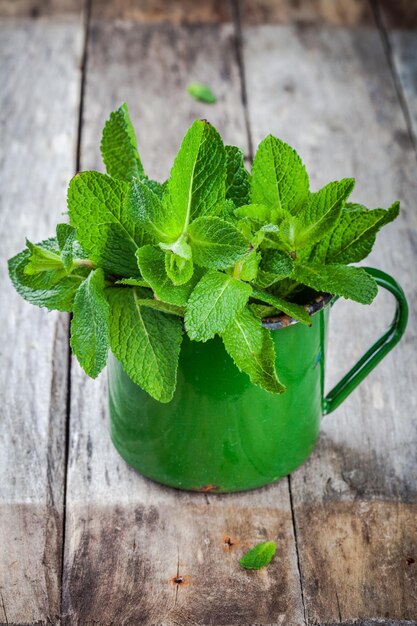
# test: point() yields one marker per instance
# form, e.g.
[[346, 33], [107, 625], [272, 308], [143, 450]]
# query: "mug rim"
[[276, 322]]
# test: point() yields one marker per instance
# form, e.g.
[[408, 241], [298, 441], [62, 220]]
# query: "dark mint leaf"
[[215, 243], [119, 147], [51, 289], [201, 92], [279, 179], [214, 303], [99, 211], [321, 212], [197, 182], [146, 342], [90, 324], [251, 347], [171, 309], [296, 311], [354, 235], [341, 280], [237, 177], [259, 556]]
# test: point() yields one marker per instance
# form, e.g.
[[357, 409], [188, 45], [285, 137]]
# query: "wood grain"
[[38, 118], [342, 12], [123, 532], [41, 8], [170, 11], [330, 94]]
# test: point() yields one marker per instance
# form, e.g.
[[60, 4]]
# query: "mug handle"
[[378, 351]]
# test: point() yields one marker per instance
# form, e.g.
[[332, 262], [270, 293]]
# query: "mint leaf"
[[201, 92], [152, 215], [259, 556], [146, 342], [354, 235], [51, 289], [279, 179], [296, 311], [197, 182], [277, 262], [152, 266], [258, 212], [99, 211], [248, 266], [340, 280], [171, 309], [214, 303], [215, 243], [133, 282], [155, 186], [42, 259], [237, 177], [251, 347], [90, 324], [178, 269], [65, 235], [275, 266], [119, 147], [322, 211]]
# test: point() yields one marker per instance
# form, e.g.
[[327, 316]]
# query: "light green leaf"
[[178, 269], [257, 212], [53, 289], [197, 182], [277, 262], [201, 92], [259, 556], [152, 266], [296, 311], [237, 177], [90, 324], [249, 266], [214, 303], [279, 179], [171, 309], [65, 235], [181, 247], [155, 186], [119, 147], [133, 282], [151, 214], [146, 342], [42, 259], [354, 235], [340, 280], [251, 347], [215, 243], [321, 212], [98, 209]]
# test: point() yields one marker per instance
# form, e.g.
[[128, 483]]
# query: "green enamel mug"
[[221, 433]]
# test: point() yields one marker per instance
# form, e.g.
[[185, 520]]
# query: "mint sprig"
[[210, 251]]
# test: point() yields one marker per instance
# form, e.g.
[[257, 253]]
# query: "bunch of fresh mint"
[[211, 251]]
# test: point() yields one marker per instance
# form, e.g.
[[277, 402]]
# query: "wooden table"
[[83, 538]]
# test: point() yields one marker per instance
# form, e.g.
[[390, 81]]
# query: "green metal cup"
[[220, 432]]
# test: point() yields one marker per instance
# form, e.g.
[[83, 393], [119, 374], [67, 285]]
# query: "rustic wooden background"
[[84, 539]]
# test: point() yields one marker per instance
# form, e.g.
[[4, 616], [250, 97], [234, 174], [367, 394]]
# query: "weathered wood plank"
[[41, 8], [329, 92], [157, 11], [39, 100], [399, 26], [126, 537], [342, 12]]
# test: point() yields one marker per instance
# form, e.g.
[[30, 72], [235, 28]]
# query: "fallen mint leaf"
[[201, 92], [259, 556]]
